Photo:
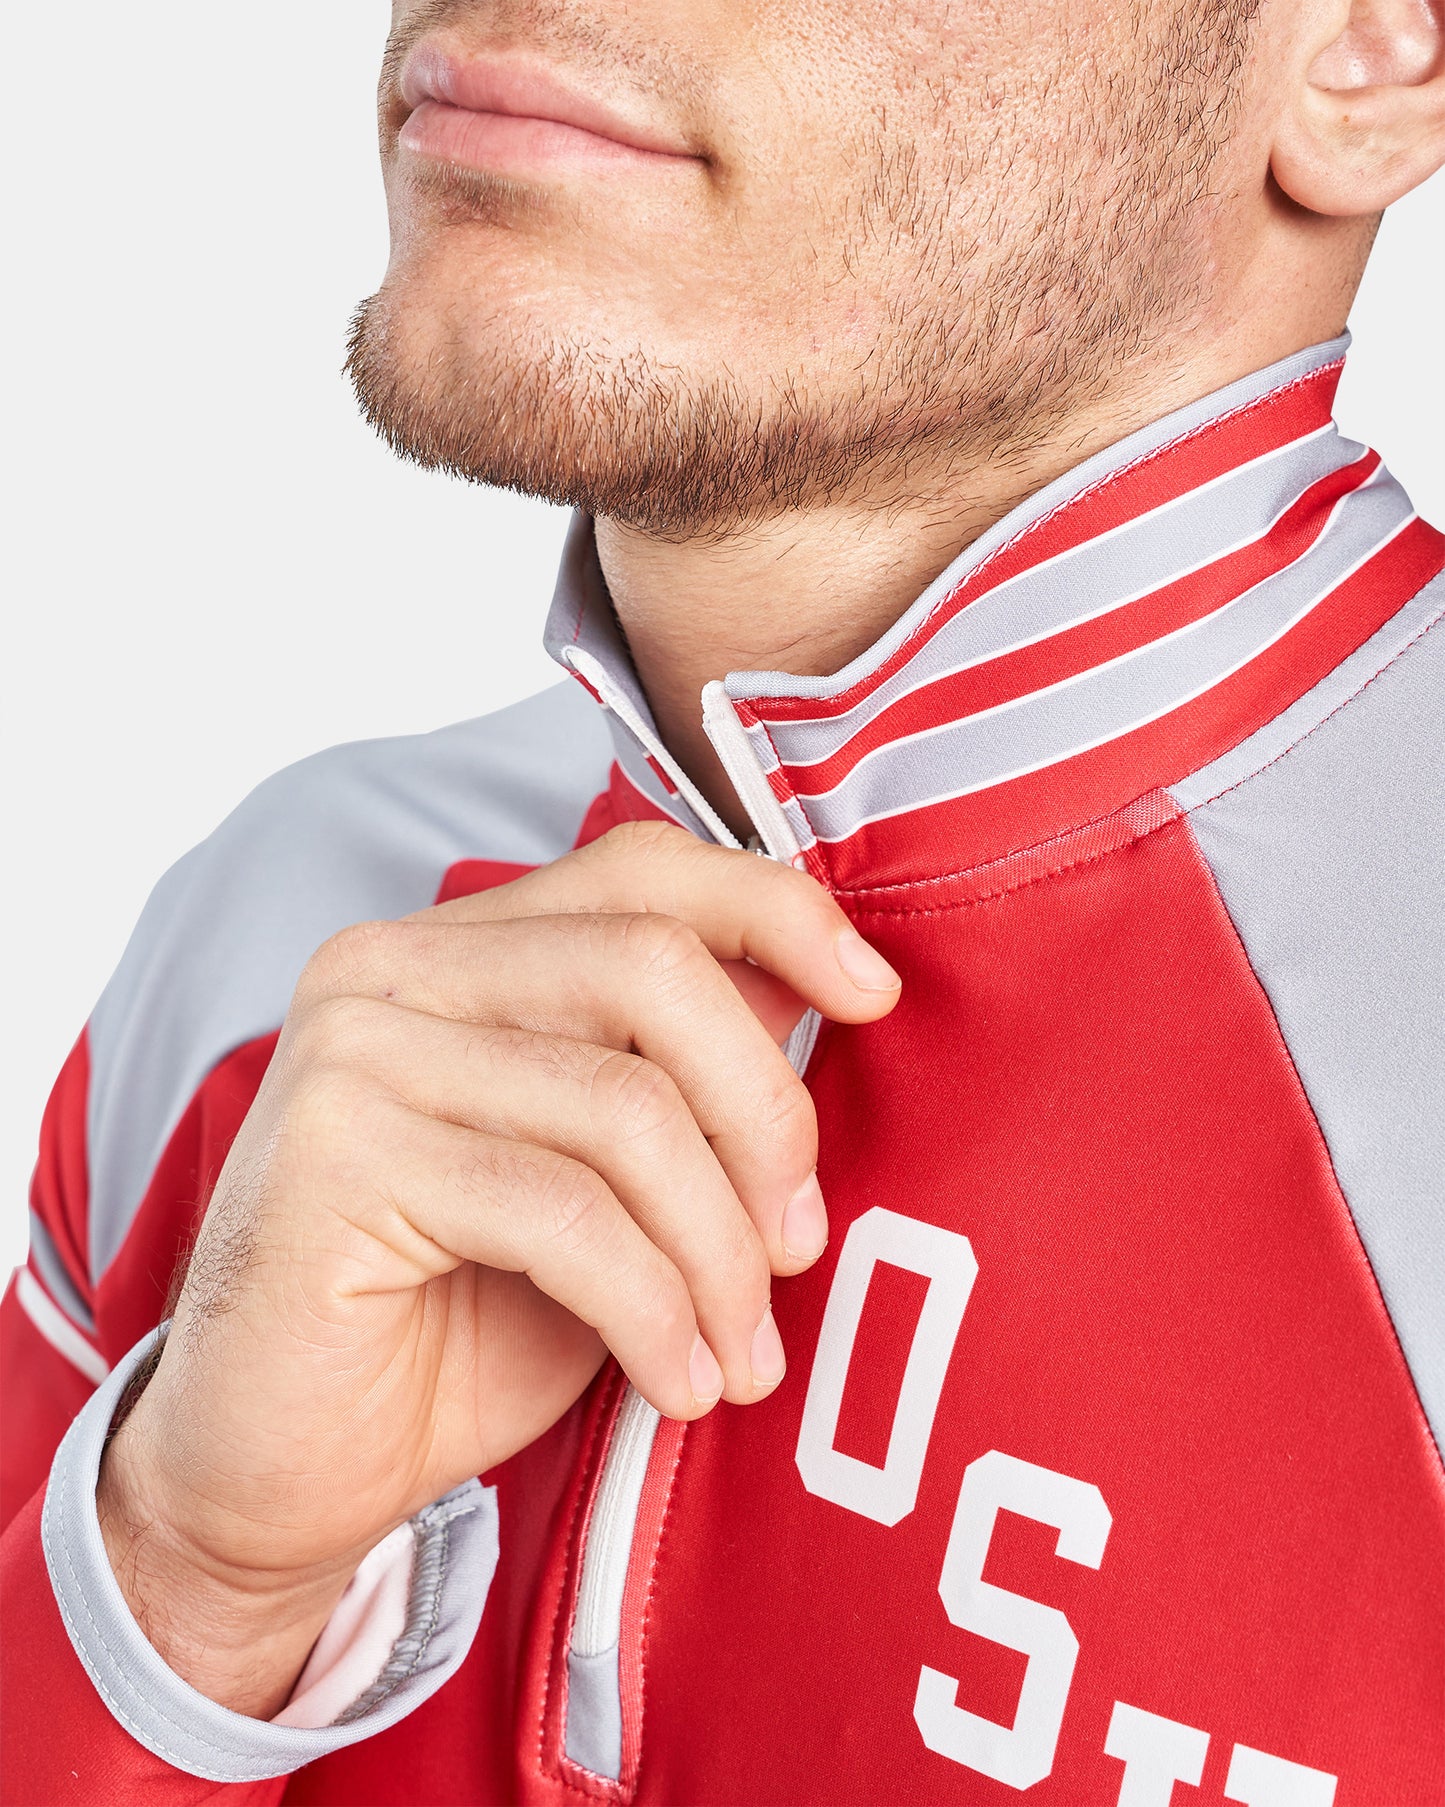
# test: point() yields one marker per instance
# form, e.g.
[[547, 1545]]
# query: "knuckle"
[[643, 840], [571, 1204], [349, 955], [336, 1030], [802, 891], [790, 902], [660, 947], [482, 1173], [635, 1098], [784, 1114], [666, 1306]]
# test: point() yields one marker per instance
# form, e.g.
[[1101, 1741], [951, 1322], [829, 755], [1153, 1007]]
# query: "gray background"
[[217, 568]]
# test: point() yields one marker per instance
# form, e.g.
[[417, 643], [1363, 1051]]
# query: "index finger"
[[741, 906]]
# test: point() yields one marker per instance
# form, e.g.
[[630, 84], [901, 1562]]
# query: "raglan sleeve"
[[135, 1132]]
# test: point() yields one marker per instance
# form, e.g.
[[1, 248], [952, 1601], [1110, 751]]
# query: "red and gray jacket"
[[1105, 1468]]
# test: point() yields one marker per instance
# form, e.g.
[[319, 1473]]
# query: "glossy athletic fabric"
[[1101, 1469]]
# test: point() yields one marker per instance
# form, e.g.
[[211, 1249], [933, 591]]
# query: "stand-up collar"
[[1122, 628]]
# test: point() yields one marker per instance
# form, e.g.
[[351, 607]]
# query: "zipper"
[[595, 675], [731, 744], [594, 1733], [598, 1621], [593, 1722], [593, 1725], [774, 835]]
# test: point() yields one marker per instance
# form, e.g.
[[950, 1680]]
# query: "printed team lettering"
[[1156, 1752], [1023, 1754]]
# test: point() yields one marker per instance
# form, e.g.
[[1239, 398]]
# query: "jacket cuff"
[[357, 1641], [455, 1555]]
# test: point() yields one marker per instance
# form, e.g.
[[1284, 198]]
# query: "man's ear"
[[1366, 120]]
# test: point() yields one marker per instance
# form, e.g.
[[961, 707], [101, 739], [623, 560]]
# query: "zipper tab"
[[731, 744]]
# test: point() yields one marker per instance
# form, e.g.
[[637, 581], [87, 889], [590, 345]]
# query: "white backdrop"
[[214, 567]]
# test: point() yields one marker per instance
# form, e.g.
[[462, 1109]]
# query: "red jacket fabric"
[[1104, 1469]]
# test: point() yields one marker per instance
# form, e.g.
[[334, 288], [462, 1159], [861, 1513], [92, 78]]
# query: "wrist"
[[240, 1636]]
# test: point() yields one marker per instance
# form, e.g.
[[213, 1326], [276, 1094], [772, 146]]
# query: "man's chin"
[[503, 414], [617, 432]]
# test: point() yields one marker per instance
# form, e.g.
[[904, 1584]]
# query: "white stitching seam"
[[53, 1529], [53, 1522], [865, 892], [1343, 703], [423, 1612], [1107, 480]]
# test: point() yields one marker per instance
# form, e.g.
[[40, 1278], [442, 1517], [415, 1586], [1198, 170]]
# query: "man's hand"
[[497, 1139]]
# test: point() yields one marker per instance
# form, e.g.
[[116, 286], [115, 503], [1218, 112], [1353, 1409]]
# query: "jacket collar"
[[1126, 625]]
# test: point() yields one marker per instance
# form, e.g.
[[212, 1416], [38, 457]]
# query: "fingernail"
[[864, 965], [704, 1373], [768, 1362], [805, 1222]]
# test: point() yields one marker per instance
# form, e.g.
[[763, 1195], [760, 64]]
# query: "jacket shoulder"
[[360, 831], [1324, 834]]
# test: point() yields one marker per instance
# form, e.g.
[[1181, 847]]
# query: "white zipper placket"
[[593, 1726], [593, 1731], [591, 669], [730, 742]]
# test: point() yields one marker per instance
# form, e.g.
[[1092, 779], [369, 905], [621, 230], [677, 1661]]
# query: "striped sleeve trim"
[[57, 1330]]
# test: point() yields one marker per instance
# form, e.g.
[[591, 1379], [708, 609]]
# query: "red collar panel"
[[1123, 628]]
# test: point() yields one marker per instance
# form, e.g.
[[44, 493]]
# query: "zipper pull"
[[739, 760]]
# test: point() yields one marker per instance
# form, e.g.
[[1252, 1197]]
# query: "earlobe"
[[1366, 122]]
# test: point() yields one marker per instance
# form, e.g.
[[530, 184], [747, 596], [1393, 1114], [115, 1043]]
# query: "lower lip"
[[493, 142]]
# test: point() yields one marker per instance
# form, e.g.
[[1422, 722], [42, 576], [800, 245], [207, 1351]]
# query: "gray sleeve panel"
[[1301, 719], [360, 832], [1327, 841], [456, 1556]]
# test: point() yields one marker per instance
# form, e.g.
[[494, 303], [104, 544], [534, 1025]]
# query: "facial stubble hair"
[[991, 338]]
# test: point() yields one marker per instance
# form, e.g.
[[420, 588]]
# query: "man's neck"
[[808, 591], [804, 594]]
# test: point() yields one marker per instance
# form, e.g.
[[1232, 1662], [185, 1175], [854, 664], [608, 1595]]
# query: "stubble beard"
[[992, 335]]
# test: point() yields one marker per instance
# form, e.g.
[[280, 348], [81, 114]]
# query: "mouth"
[[508, 115]]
